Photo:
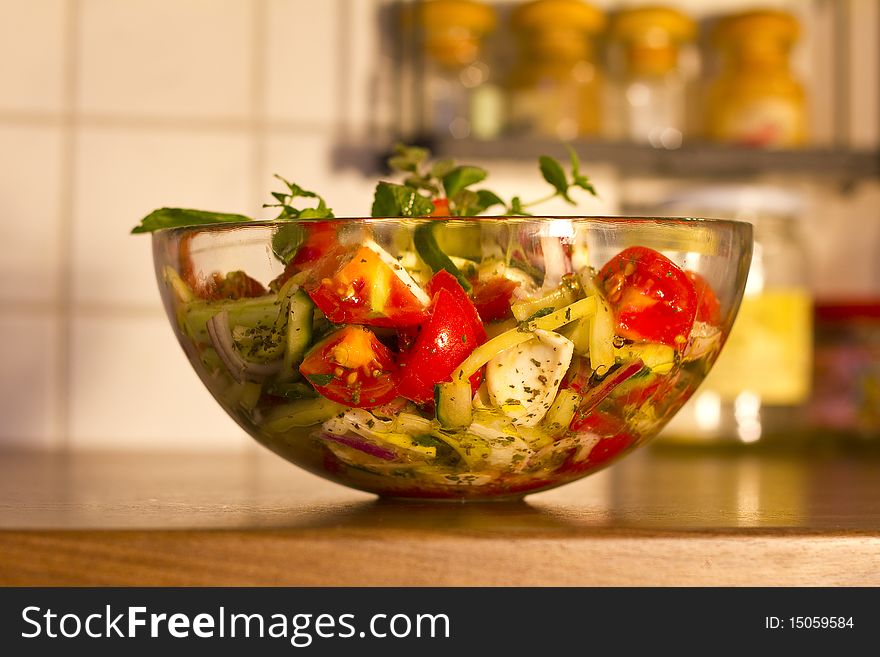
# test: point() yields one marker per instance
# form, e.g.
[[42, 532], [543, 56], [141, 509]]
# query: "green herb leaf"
[[442, 167], [461, 177], [287, 240], [516, 207], [543, 312], [180, 217], [432, 255], [285, 202], [467, 203], [320, 379], [392, 200], [577, 180], [407, 158], [554, 174], [488, 199]]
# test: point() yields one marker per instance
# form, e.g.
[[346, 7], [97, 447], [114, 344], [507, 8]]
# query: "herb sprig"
[[446, 188], [442, 188]]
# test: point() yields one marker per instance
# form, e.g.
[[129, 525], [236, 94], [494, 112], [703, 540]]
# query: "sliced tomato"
[[652, 299], [608, 449], [443, 280], [351, 367], [446, 339], [365, 285], [492, 297], [708, 306], [578, 376], [320, 239]]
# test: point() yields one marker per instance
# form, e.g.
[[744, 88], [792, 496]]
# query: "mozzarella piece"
[[523, 380]]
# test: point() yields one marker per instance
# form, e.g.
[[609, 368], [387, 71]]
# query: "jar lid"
[[548, 14], [757, 26], [733, 200], [653, 26], [441, 15]]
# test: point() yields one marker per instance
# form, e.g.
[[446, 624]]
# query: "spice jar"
[[460, 99], [756, 100], [555, 87], [760, 385], [648, 96]]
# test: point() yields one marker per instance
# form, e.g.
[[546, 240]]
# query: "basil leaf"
[[461, 177], [180, 217], [286, 241], [553, 174], [487, 199], [392, 200], [516, 207], [320, 379]]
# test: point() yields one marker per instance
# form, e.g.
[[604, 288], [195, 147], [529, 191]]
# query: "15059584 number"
[[821, 622]]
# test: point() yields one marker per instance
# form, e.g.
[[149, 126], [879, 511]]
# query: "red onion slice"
[[240, 368]]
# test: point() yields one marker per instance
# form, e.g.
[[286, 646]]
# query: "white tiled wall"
[[109, 109]]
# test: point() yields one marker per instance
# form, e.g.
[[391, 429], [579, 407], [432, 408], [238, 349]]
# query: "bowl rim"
[[512, 219]]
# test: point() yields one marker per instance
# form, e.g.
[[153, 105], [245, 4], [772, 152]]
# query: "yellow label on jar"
[[769, 351]]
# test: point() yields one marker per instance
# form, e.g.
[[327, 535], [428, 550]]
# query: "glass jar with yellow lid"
[[756, 100], [647, 98], [556, 85], [460, 99]]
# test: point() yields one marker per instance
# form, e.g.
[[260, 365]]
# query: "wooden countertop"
[[657, 518]]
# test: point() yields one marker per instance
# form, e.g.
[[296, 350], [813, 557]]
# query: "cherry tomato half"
[[446, 339], [652, 299], [492, 298], [708, 306], [443, 280], [351, 367], [365, 285]]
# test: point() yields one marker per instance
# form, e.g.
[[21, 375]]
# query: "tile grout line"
[[136, 122], [65, 220], [257, 124], [258, 128]]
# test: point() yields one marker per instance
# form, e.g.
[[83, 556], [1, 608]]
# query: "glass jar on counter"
[[755, 100], [648, 96], [460, 99], [556, 84], [845, 403], [759, 388]]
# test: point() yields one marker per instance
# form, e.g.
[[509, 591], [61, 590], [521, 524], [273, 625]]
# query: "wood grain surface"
[[658, 518]]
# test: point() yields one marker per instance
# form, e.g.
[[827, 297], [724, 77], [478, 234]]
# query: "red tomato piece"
[[492, 298], [708, 306], [443, 280], [351, 367], [320, 239], [441, 207], [365, 285], [446, 339], [652, 299]]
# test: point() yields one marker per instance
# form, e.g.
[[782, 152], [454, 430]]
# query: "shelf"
[[691, 161]]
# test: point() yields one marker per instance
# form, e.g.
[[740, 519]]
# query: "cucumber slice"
[[453, 402], [299, 332], [303, 413]]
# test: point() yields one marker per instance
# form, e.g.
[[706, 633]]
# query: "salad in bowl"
[[430, 351]]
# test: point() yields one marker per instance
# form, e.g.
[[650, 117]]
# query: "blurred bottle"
[[759, 387], [755, 100], [460, 98], [648, 97], [845, 402], [556, 85]]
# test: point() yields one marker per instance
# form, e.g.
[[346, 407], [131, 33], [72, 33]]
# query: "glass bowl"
[[453, 358]]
